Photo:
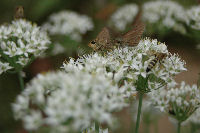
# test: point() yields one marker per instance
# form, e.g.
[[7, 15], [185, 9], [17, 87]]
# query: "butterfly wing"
[[104, 35], [104, 38], [133, 36]]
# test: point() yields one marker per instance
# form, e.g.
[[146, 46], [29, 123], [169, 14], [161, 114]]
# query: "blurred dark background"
[[39, 10]]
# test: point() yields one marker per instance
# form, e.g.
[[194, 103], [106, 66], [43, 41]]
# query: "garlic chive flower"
[[68, 23], [127, 65], [93, 130], [193, 17], [123, 16], [20, 42], [195, 117], [95, 63], [68, 102], [180, 103], [135, 61], [165, 15]]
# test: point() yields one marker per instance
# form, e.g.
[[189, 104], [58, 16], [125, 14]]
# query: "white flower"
[[167, 14], [124, 16], [198, 46], [33, 120], [195, 117], [180, 102], [137, 59], [68, 23], [4, 67], [193, 17], [92, 130], [58, 49], [68, 102], [129, 63], [20, 41]]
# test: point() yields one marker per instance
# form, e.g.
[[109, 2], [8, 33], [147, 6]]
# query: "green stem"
[[156, 126], [147, 128], [21, 80], [179, 127], [139, 112], [193, 128], [96, 127]]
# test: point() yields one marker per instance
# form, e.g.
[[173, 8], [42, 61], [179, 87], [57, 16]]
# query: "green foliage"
[[142, 84]]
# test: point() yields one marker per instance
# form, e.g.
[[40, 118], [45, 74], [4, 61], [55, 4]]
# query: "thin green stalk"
[[192, 128], [147, 127], [21, 80], [96, 127], [156, 126], [179, 127], [139, 112]]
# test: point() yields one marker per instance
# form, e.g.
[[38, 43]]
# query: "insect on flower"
[[19, 12], [106, 40], [158, 58]]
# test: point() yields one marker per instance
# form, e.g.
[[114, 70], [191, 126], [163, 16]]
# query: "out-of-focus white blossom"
[[58, 49], [68, 102], [124, 16], [198, 46], [92, 130], [180, 103], [195, 117], [166, 14], [193, 17], [68, 23], [128, 63], [19, 42]]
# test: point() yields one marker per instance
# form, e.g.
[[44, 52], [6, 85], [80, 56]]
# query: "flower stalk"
[[179, 127], [21, 80], [139, 112], [96, 128]]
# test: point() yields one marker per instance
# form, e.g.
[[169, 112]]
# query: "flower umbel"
[[68, 23], [180, 103], [124, 16], [21, 41], [68, 102]]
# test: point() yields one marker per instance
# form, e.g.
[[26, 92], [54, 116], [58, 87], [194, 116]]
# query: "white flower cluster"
[[92, 130], [124, 16], [129, 63], [167, 14], [178, 102], [97, 64], [198, 46], [19, 42], [193, 17], [195, 117], [58, 49], [68, 23], [68, 102], [137, 59]]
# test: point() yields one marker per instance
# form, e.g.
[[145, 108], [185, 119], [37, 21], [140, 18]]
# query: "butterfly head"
[[94, 45]]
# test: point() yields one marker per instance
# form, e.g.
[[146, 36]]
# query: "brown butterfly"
[[19, 12], [106, 40]]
